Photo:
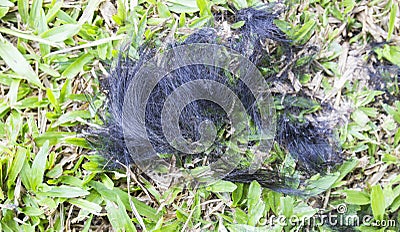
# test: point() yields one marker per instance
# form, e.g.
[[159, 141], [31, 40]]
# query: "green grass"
[[53, 54]]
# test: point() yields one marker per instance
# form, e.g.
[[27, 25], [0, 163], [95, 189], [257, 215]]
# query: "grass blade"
[[86, 205], [89, 11], [118, 217], [377, 202], [16, 61], [39, 165], [76, 66], [28, 36], [16, 166], [392, 19], [65, 191], [61, 33]]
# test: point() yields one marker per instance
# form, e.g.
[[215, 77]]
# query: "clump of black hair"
[[311, 145], [383, 75], [386, 78], [259, 25]]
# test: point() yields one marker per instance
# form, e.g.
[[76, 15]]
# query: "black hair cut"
[[311, 144]]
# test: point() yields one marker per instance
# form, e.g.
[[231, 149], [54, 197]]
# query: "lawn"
[[55, 55]]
